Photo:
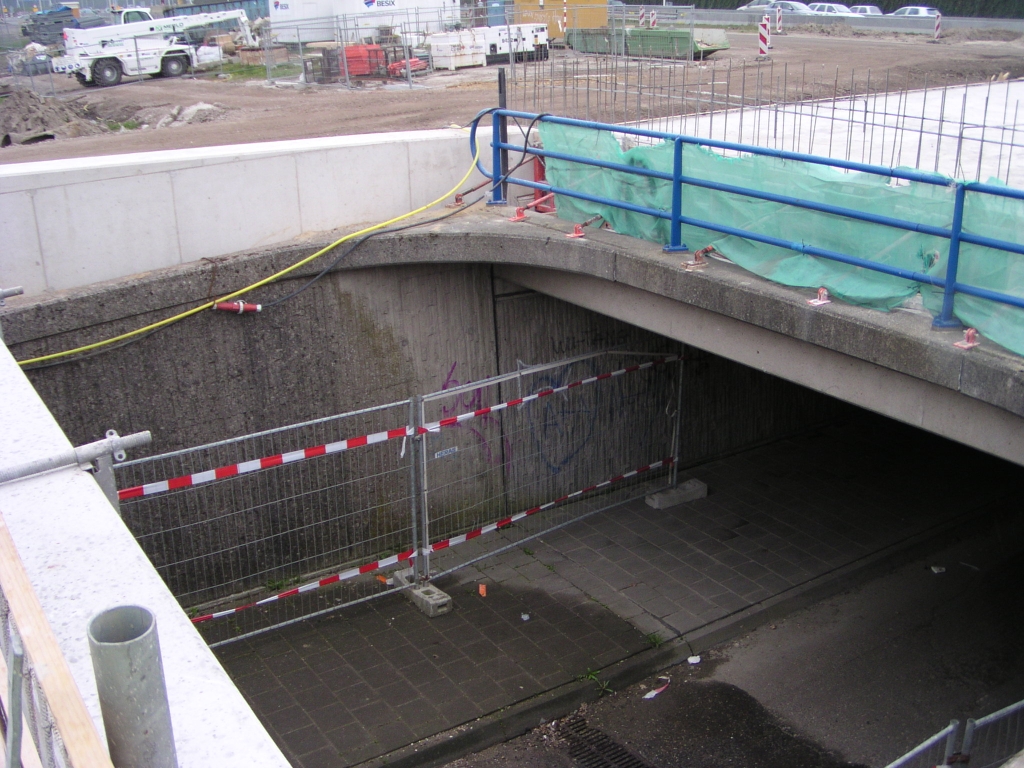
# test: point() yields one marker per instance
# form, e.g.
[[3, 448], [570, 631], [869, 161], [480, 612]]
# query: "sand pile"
[[26, 118]]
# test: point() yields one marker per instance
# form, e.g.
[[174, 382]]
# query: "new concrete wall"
[[70, 223]]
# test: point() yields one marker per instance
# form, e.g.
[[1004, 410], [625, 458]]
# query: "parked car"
[[919, 11], [866, 10], [791, 8], [831, 9], [754, 5]]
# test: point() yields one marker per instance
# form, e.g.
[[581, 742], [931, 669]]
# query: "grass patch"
[[257, 71]]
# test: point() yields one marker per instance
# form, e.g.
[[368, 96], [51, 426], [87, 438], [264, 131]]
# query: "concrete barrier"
[[69, 223], [81, 560]]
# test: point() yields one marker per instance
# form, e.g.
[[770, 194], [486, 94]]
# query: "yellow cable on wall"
[[254, 286]]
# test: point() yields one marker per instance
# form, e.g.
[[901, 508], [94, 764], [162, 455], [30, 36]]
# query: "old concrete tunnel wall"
[[355, 339]]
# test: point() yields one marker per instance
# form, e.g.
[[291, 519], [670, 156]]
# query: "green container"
[[640, 41]]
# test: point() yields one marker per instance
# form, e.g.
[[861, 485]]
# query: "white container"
[[455, 50]]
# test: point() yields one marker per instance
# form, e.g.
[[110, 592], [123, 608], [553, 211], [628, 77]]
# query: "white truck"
[[102, 55]]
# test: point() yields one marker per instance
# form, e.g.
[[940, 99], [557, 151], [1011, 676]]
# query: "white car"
[[791, 8], [754, 5], [831, 9], [866, 10], [919, 11]]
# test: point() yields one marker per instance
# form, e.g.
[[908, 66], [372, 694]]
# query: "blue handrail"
[[954, 233]]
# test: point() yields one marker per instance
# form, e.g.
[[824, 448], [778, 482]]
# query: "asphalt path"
[[857, 679]]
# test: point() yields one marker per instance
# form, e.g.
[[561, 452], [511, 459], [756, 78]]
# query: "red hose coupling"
[[238, 307]]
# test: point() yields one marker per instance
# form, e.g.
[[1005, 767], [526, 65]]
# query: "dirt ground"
[[157, 114]]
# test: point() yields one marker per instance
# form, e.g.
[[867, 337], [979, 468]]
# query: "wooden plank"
[[84, 747]]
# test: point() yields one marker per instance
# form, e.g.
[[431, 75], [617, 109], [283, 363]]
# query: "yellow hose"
[[259, 284]]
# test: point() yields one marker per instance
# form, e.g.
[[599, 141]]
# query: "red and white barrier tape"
[[245, 467], [491, 527], [351, 573], [376, 565]]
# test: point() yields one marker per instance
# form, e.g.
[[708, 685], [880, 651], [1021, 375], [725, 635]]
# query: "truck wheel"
[[80, 77], [106, 72], [174, 66]]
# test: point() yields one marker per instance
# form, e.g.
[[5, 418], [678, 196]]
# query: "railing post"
[[125, 651], [675, 234], [424, 495], [15, 664], [945, 318], [951, 739], [503, 135], [497, 198], [415, 488], [677, 441]]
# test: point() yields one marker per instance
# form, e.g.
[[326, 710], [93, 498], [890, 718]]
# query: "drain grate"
[[592, 749]]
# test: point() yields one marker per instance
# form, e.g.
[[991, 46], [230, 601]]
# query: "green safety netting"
[[1000, 218]]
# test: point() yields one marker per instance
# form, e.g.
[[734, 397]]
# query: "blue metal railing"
[[955, 234]]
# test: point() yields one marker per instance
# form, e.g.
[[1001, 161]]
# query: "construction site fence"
[[959, 129], [662, 186], [275, 527], [987, 742]]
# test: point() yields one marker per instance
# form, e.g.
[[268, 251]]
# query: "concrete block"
[[428, 598], [691, 490]]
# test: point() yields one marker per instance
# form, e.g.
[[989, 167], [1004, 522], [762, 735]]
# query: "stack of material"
[[363, 60]]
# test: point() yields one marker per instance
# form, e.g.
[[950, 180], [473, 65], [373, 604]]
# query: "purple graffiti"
[[464, 402]]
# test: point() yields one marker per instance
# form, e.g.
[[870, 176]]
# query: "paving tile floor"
[[344, 688]]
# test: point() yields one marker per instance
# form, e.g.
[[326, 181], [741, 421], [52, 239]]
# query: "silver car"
[[791, 8], [918, 11], [831, 9], [866, 10]]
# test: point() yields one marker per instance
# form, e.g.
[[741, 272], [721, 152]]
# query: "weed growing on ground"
[[655, 639]]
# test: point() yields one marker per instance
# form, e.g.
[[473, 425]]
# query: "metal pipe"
[[125, 653], [82, 455]]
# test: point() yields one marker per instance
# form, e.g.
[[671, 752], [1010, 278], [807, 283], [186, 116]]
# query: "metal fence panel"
[[243, 537], [933, 751], [510, 473], [993, 739]]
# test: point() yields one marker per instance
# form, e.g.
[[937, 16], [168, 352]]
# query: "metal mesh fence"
[[991, 740], [963, 130], [544, 456], [241, 538], [274, 527]]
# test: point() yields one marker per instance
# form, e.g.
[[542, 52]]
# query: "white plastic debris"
[[694, 660], [938, 569], [524, 616]]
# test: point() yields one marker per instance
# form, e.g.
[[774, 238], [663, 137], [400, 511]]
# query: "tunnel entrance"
[[804, 492]]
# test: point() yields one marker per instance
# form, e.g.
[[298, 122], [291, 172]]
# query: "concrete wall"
[[361, 337], [69, 223], [81, 560]]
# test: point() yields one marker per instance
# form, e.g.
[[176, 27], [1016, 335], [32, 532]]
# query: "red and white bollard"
[[938, 25], [565, 16], [762, 39], [768, 26], [643, 17], [778, 21], [654, 19]]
